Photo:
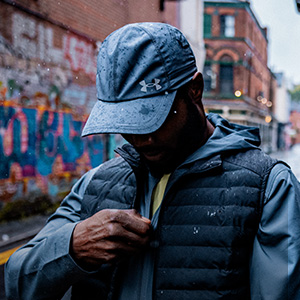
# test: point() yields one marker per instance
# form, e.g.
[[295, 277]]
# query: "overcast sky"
[[283, 22]]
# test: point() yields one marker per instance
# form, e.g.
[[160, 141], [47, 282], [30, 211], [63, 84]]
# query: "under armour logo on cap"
[[151, 84]]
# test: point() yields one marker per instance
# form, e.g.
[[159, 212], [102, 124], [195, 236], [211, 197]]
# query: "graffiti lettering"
[[37, 42], [81, 55], [9, 139], [56, 135]]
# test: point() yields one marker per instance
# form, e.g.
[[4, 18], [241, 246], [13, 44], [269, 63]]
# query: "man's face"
[[181, 134]]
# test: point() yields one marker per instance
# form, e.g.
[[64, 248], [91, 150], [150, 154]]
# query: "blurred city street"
[[291, 157]]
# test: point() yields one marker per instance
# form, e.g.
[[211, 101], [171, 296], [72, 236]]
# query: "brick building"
[[295, 127], [47, 87], [238, 83]]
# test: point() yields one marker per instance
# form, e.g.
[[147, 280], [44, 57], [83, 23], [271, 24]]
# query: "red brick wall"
[[97, 19], [295, 120]]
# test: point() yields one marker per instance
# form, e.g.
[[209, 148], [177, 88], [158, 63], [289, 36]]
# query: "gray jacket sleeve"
[[43, 268], [275, 264]]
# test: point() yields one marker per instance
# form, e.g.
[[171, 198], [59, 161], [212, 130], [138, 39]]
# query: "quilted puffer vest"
[[207, 224]]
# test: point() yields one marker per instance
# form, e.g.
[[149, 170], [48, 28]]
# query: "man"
[[192, 208]]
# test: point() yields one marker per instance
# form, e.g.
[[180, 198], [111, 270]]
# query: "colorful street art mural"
[[47, 89], [42, 151]]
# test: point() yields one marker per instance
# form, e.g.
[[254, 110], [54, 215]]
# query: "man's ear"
[[196, 88]]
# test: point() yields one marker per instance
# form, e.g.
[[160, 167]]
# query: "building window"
[[226, 75], [207, 25], [227, 26], [209, 77], [207, 72]]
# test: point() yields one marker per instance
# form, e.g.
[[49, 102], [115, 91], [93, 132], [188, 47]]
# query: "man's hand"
[[110, 235]]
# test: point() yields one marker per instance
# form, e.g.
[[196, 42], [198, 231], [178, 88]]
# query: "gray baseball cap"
[[139, 68]]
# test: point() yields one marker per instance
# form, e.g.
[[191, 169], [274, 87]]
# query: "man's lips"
[[151, 153]]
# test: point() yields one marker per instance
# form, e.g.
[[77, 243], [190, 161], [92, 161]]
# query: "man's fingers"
[[122, 235], [131, 220], [112, 251], [110, 235]]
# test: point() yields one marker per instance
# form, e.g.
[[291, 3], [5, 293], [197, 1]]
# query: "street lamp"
[[268, 119], [238, 93]]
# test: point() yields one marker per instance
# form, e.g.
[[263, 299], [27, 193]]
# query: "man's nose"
[[142, 139]]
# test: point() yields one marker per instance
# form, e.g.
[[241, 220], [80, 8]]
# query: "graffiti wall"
[[47, 89], [42, 151], [36, 73]]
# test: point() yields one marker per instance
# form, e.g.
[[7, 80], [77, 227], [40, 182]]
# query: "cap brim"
[[139, 116]]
